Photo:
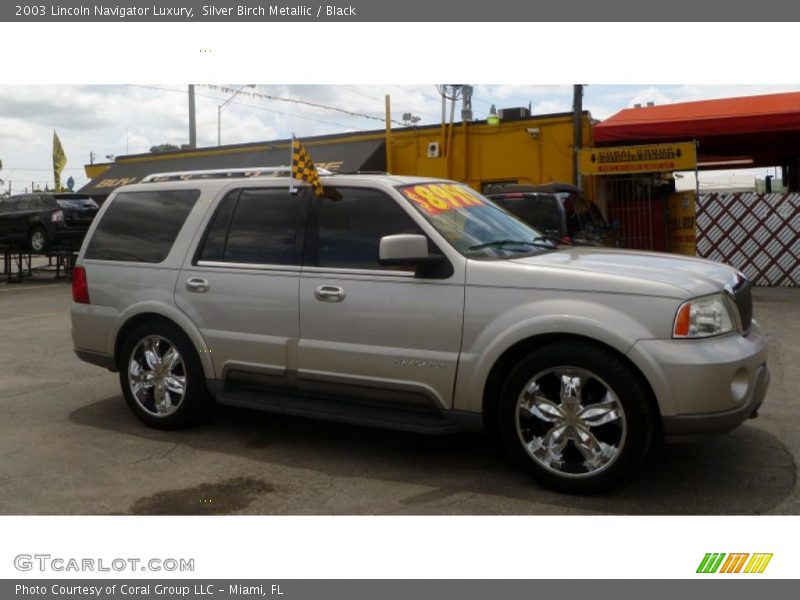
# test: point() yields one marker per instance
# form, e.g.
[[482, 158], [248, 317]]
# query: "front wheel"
[[161, 376], [576, 417]]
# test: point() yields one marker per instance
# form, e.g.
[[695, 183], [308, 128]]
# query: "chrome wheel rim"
[[570, 422], [37, 240], [157, 376]]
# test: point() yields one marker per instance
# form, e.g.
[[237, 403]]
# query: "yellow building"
[[531, 150], [524, 150]]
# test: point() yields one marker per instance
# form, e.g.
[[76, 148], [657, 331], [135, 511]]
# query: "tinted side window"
[[255, 226], [141, 226], [350, 228], [46, 202], [38, 203]]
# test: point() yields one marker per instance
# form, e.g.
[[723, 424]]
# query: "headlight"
[[703, 317]]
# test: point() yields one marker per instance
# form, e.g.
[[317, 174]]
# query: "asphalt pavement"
[[69, 445]]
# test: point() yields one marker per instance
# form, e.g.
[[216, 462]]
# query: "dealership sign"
[[615, 160]]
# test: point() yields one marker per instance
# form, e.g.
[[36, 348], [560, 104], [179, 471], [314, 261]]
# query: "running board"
[[341, 411]]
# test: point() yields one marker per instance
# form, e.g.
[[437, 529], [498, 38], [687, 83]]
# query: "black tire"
[[38, 240], [176, 410], [622, 435]]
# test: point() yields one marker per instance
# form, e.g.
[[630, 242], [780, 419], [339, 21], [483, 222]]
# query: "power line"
[[292, 115], [271, 110], [423, 94], [11, 169], [346, 89], [297, 101]]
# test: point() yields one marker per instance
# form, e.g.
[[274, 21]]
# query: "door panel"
[[369, 331], [248, 317], [390, 338]]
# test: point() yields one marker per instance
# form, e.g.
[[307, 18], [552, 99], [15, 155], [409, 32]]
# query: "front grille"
[[744, 301]]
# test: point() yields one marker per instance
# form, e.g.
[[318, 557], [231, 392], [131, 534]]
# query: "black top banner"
[[66, 11]]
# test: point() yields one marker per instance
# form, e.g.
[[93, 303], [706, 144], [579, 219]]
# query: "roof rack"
[[361, 173], [225, 174]]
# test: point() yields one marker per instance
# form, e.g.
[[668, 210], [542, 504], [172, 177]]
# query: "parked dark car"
[[42, 221], [558, 210]]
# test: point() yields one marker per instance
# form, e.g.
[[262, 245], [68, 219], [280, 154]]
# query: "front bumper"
[[687, 428], [705, 387]]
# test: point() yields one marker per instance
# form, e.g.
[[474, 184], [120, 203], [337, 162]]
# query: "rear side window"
[[141, 226], [76, 202], [42, 203], [255, 226]]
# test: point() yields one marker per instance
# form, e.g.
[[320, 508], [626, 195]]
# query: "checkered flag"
[[303, 167]]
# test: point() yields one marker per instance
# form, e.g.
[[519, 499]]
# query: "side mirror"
[[411, 250], [404, 250]]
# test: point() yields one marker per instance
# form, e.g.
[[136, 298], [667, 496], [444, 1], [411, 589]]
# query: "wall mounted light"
[[493, 119]]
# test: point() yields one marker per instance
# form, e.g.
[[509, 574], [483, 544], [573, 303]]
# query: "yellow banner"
[[615, 160], [59, 160], [680, 223]]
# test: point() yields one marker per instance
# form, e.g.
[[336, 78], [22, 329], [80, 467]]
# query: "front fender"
[[616, 324]]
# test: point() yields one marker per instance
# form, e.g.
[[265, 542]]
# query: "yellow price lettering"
[[426, 192], [445, 195], [464, 195], [434, 198], [412, 195]]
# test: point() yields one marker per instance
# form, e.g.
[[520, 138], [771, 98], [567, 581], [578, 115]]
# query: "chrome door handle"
[[197, 284], [329, 293]]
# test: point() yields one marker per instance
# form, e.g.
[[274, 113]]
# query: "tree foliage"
[[168, 148]]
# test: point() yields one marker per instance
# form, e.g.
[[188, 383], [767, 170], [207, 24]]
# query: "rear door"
[[368, 331], [241, 286]]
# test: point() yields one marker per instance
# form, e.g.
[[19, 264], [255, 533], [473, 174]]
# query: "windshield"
[[473, 225]]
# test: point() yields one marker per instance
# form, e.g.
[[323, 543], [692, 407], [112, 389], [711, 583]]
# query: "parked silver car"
[[413, 304]]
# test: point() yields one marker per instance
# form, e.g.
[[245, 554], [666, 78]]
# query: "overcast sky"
[[128, 119]]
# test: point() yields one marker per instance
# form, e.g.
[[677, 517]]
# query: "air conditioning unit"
[[433, 149]]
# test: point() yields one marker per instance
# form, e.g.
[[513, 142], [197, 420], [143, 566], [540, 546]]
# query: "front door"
[[368, 331]]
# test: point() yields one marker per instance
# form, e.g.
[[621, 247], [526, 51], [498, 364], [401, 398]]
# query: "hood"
[[609, 270]]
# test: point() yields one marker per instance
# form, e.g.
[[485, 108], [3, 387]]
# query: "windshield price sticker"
[[436, 198]]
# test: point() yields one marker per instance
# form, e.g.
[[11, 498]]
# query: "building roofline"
[[311, 140]]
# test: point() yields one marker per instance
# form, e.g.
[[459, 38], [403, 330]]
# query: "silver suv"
[[412, 304]]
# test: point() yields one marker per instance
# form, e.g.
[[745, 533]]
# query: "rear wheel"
[[38, 240], [576, 417], [161, 376]]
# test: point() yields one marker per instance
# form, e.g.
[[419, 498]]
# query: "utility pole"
[[192, 120], [388, 101], [577, 131]]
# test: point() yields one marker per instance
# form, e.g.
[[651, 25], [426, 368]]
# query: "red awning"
[[765, 128]]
